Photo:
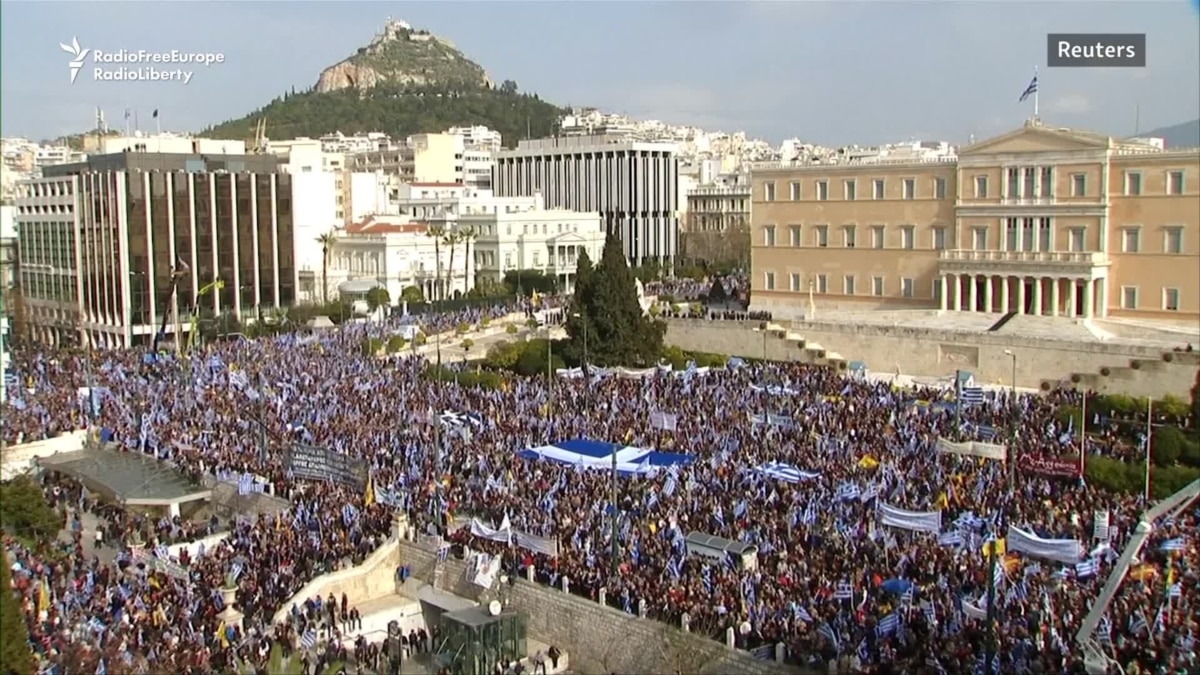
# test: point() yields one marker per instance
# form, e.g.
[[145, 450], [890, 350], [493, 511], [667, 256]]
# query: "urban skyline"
[[753, 86]]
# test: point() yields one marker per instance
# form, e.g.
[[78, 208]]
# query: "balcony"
[[1089, 264]]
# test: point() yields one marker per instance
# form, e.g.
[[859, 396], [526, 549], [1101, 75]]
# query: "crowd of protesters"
[[831, 582]]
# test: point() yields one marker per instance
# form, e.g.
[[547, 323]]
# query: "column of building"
[[1036, 296]]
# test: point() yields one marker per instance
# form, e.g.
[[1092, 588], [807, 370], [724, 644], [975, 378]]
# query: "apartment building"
[[429, 158], [633, 185], [99, 240], [1041, 220]]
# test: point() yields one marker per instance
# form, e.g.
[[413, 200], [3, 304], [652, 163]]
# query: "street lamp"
[[1012, 449]]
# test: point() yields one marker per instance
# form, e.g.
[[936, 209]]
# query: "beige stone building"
[[1044, 221], [716, 226]]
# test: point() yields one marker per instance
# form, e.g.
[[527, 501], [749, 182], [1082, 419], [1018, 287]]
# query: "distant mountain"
[[405, 81], [1186, 135]]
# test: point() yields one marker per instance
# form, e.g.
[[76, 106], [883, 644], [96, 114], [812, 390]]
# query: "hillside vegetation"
[[398, 111]]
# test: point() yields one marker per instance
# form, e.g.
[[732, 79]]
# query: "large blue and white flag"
[[1030, 90]]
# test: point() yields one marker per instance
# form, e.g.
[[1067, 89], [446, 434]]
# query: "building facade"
[[1042, 221], [99, 242], [634, 186], [429, 158], [716, 224]]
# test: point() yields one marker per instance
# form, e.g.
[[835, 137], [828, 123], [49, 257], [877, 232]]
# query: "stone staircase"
[[784, 344]]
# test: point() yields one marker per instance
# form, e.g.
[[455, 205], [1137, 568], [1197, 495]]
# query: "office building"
[[1042, 220], [633, 185], [99, 240]]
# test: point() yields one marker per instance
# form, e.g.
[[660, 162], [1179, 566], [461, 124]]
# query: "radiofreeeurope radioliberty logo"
[[140, 65]]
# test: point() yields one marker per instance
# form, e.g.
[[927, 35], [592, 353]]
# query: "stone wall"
[[598, 639], [375, 578], [1101, 366], [18, 459]]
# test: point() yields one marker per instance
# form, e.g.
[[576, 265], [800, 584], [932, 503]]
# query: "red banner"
[[1062, 467]]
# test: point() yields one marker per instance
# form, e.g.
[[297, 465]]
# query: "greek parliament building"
[[1044, 221], [99, 239], [634, 186]]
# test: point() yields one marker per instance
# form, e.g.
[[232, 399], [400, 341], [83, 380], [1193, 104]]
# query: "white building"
[[479, 137], [166, 143], [316, 200], [490, 236], [633, 185], [306, 155], [8, 256]]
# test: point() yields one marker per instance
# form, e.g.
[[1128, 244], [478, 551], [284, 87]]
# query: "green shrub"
[[504, 355], [511, 329], [484, 379], [1130, 477], [463, 327], [396, 344], [372, 346], [532, 324], [420, 340], [467, 344], [485, 322], [1167, 446]]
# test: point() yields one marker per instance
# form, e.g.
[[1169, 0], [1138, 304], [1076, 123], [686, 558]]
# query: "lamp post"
[[991, 608], [1012, 449]]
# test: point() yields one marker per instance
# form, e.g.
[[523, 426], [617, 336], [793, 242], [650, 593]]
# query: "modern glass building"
[[100, 240]]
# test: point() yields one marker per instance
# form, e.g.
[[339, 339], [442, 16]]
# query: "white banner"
[[973, 449], [542, 545], [1066, 551], [486, 569], [482, 531], [1100, 524], [916, 521], [976, 610], [664, 421]]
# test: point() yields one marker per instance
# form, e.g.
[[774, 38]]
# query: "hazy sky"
[[826, 72]]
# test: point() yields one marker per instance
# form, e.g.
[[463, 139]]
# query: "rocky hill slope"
[[406, 81], [405, 56]]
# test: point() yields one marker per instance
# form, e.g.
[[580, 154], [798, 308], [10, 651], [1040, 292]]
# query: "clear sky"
[[826, 72]]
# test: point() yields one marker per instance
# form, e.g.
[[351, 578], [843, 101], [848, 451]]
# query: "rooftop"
[[377, 225], [129, 476]]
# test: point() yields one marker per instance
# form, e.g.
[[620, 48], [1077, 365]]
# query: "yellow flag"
[[868, 462], [369, 497], [535, 299], [221, 635], [998, 547], [942, 501], [43, 597]]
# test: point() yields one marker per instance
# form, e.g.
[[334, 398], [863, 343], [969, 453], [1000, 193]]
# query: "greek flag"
[[457, 420], [1176, 544], [349, 515], [847, 492], [954, 539], [981, 665], [844, 591], [870, 493], [162, 552], [1029, 91], [310, 639], [972, 395], [245, 484], [1138, 623], [1175, 591], [826, 631], [235, 571], [889, 625], [930, 613], [1087, 568], [443, 553], [669, 487]]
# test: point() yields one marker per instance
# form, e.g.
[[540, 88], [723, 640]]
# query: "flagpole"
[[1083, 437], [1035, 92], [1149, 433], [157, 124]]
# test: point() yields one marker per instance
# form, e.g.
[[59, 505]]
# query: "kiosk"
[[476, 639]]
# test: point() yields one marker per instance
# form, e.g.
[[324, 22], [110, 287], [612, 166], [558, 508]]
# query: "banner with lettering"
[[1059, 467], [973, 449]]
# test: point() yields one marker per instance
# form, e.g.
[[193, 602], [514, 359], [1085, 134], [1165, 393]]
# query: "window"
[[937, 290], [850, 190], [1078, 240], [768, 235], [1014, 183], [1171, 299], [769, 191], [822, 190], [939, 188], [979, 239], [849, 236], [981, 187], [1133, 184], [1030, 187], [906, 288], [910, 188], [795, 281], [1175, 183], [1047, 181], [1131, 240], [822, 283], [822, 236], [877, 239], [1079, 185], [878, 189], [908, 237], [794, 239], [769, 281], [537, 258], [1173, 239], [877, 286], [939, 239], [848, 284], [1129, 297], [794, 189], [1045, 240]]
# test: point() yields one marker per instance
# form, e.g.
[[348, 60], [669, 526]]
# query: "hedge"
[[485, 379], [1130, 477]]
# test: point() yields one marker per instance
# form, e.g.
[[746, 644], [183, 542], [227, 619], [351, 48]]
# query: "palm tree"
[[451, 239], [326, 241], [467, 234], [436, 231]]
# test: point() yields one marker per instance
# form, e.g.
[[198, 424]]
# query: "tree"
[[1167, 445], [412, 295], [1196, 403], [716, 294], [378, 297], [508, 87], [524, 282], [451, 239], [15, 656], [437, 231], [468, 234], [618, 332], [326, 241], [24, 512]]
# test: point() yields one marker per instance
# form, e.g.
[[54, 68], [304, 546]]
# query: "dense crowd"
[[831, 582]]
